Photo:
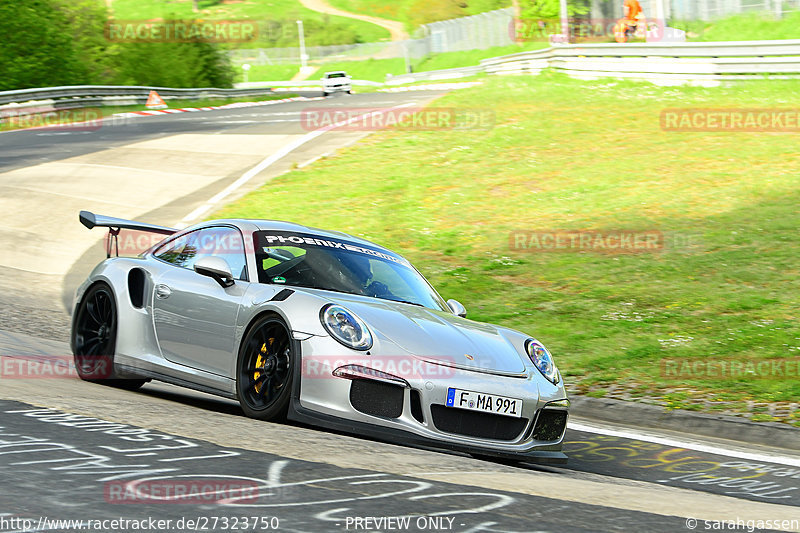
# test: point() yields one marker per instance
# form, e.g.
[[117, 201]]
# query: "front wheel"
[[264, 369], [94, 339]]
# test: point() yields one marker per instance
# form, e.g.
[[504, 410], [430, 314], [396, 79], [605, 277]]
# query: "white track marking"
[[269, 161], [688, 444]]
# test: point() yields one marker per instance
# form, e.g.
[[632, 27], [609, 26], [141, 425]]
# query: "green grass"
[[472, 57], [416, 12], [371, 69], [376, 69], [591, 155], [268, 72], [283, 11], [394, 10], [745, 27]]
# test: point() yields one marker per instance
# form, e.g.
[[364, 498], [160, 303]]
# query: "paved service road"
[[71, 450]]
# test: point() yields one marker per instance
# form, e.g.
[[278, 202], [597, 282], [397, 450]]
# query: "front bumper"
[[414, 412], [336, 88]]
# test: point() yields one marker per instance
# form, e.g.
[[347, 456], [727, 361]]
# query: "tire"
[[324, 94], [265, 369], [94, 339]]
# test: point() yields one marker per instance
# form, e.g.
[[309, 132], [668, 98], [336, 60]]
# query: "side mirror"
[[215, 267], [456, 308]]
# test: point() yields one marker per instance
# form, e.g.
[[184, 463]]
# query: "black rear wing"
[[114, 225]]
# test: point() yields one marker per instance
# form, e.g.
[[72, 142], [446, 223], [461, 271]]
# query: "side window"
[[179, 251], [222, 242]]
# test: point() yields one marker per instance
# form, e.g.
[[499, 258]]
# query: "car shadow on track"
[[216, 404]]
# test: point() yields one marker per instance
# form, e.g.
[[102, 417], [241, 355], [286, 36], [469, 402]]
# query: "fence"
[[713, 9], [688, 10], [476, 32]]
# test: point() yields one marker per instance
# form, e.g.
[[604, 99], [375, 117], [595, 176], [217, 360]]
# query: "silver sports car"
[[320, 327]]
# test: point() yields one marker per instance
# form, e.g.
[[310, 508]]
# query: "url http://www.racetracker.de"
[[198, 523]]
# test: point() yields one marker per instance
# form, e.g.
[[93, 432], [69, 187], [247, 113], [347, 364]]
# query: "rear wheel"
[[265, 369], [94, 339]]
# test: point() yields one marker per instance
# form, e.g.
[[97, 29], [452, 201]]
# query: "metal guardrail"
[[658, 62], [88, 93]]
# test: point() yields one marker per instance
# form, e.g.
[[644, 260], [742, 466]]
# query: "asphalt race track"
[[71, 450]]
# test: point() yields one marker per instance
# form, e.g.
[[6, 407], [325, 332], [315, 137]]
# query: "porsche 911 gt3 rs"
[[320, 327]]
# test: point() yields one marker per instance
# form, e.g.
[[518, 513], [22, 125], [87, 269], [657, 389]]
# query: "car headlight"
[[346, 327], [542, 360]]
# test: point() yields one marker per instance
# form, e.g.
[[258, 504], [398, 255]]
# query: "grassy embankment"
[[285, 12], [592, 155]]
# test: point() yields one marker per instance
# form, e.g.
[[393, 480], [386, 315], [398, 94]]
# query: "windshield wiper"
[[403, 302]]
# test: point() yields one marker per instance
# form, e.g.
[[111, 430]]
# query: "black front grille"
[[476, 424], [376, 398], [550, 424]]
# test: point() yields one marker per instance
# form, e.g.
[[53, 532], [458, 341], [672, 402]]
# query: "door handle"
[[163, 291]]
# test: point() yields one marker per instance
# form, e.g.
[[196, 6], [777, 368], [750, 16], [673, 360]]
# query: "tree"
[[196, 63], [549, 9], [37, 46], [87, 21]]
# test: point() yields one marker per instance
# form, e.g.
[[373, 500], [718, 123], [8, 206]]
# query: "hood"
[[438, 336]]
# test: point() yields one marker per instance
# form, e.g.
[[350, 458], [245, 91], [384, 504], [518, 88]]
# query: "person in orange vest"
[[631, 9], [632, 23]]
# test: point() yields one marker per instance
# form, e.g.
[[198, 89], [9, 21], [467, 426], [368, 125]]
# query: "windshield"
[[336, 75], [309, 261]]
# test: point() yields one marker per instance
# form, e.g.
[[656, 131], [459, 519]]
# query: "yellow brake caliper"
[[260, 361]]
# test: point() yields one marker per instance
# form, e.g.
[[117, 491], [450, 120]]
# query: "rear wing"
[[114, 225]]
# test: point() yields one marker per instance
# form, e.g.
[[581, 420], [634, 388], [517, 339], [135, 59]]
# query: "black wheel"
[[324, 94], [265, 369], [94, 339]]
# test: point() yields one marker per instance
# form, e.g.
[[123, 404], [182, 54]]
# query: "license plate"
[[487, 403]]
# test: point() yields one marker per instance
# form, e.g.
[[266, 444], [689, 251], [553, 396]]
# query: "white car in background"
[[335, 81]]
